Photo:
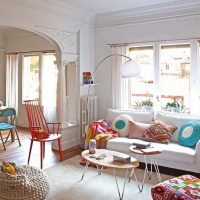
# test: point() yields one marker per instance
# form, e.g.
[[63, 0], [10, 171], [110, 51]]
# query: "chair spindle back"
[[35, 115]]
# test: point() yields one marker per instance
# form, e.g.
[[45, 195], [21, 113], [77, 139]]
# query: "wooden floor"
[[19, 154]]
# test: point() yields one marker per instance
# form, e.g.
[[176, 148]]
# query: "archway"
[[65, 45]]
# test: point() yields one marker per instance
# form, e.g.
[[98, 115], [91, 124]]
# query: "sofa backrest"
[[138, 116], [176, 120]]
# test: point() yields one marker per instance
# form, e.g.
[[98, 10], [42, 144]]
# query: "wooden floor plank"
[[19, 155]]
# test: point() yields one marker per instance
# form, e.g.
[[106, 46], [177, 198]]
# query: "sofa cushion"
[[159, 132], [175, 120], [189, 134], [172, 151], [138, 116], [137, 130], [121, 125]]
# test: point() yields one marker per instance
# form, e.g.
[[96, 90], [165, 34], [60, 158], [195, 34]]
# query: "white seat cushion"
[[172, 151], [175, 152]]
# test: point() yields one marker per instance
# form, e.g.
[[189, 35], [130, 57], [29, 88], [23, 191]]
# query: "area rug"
[[66, 185]]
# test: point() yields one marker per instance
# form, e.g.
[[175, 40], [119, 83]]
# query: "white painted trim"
[[56, 8], [147, 14]]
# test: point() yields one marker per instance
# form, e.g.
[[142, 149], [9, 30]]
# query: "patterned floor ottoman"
[[184, 187]]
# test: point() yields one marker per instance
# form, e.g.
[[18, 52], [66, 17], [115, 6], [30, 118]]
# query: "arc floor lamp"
[[129, 68]]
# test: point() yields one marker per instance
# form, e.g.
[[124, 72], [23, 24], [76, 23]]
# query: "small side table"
[[151, 153], [108, 162]]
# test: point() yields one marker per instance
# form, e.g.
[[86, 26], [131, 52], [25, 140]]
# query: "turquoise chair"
[[10, 113]]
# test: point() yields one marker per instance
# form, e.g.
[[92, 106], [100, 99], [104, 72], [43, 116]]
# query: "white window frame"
[[194, 71]]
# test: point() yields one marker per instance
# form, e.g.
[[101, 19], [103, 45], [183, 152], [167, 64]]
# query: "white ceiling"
[[102, 6]]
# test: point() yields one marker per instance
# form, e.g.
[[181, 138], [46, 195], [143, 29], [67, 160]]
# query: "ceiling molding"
[[148, 13], [58, 9]]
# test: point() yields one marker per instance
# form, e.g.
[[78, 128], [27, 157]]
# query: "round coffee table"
[[103, 158], [151, 153]]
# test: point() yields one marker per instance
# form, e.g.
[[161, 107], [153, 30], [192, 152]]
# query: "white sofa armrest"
[[197, 150]]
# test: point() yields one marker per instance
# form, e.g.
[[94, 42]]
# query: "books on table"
[[141, 144]]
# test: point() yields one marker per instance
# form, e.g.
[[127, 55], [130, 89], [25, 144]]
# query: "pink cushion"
[[137, 130]]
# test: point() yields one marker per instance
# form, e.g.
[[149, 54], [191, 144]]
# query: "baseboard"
[[66, 144]]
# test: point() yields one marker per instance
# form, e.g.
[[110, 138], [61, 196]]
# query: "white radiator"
[[88, 111]]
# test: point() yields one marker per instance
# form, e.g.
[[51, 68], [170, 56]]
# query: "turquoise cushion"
[[189, 134]]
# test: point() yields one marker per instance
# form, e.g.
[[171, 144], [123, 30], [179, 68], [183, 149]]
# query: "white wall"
[[2, 66], [18, 40], [171, 29]]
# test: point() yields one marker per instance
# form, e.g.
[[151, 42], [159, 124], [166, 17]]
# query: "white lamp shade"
[[130, 69]]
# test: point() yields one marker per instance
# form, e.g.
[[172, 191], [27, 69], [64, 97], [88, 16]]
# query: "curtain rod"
[[30, 52], [150, 41]]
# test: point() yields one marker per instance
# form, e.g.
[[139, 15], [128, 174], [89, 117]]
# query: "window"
[[31, 79], [40, 77], [169, 77], [175, 77], [142, 86]]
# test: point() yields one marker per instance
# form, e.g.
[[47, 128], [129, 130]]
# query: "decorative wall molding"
[[148, 13], [68, 41], [56, 8]]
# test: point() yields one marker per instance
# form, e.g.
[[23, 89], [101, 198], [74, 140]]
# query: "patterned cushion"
[[185, 187], [189, 134], [121, 125], [160, 132]]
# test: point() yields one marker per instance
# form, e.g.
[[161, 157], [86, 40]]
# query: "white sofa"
[[173, 155]]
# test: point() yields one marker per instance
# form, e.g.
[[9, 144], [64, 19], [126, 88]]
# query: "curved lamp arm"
[[109, 57], [128, 70]]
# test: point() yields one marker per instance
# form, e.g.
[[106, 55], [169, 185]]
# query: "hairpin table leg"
[[85, 168]]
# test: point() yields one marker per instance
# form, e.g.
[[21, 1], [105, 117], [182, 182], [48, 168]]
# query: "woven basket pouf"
[[29, 183]]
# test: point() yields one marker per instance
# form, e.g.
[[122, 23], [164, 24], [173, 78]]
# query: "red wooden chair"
[[41, 131]]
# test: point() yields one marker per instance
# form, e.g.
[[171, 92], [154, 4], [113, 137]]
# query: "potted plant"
[[144, 105], [175, 105]]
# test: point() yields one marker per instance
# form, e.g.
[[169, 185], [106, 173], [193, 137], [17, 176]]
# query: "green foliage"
[[175, 105], [144, 105], [34, 67]]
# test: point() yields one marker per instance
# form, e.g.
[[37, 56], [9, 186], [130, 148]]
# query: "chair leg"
[[41, 155], [7, 137], [17, 137], [59, 147], [43, 149], [2, 141], [29, 155]]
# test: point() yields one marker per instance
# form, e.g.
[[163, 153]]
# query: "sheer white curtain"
[[49, 86], [120, 93], [12, 80]]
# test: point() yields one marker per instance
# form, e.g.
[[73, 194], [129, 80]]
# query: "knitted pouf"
[[29, 183]]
